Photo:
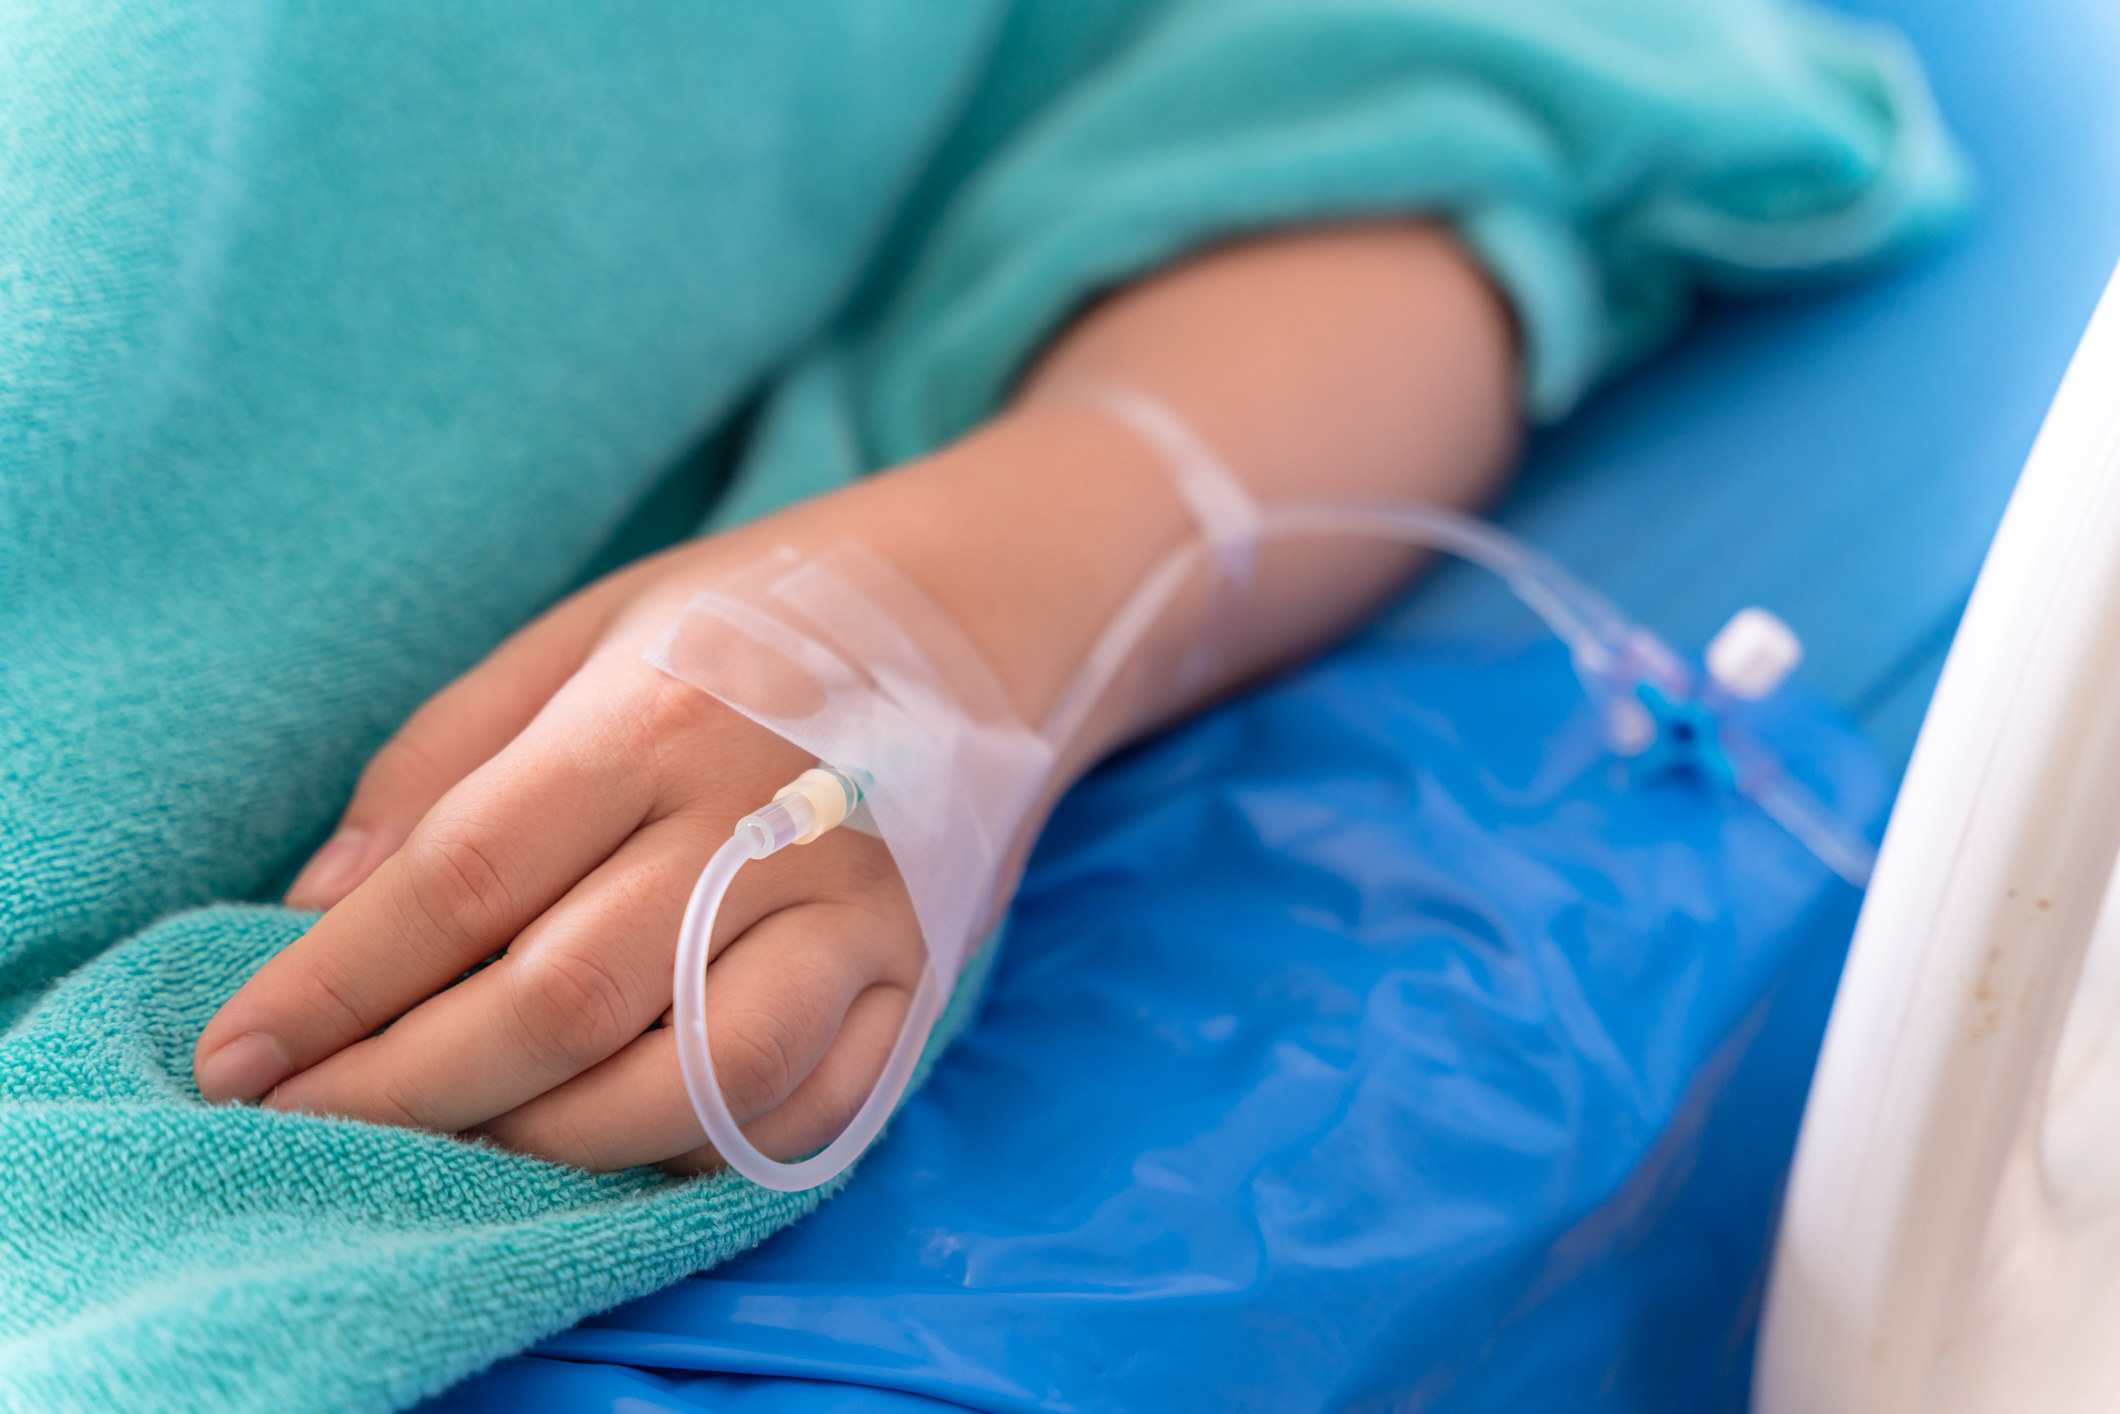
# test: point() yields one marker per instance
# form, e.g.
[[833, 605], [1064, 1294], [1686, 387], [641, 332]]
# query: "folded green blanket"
[[335, 340]]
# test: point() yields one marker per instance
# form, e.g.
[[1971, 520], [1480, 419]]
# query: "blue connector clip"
[[1688, 738]]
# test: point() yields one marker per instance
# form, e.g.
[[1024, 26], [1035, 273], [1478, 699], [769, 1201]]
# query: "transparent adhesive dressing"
[[919, 744]]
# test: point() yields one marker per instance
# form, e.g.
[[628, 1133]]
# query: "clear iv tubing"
[[697, 1061], [1608, 650], [1598, 636]]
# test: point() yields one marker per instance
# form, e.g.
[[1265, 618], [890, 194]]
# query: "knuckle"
[[667, 725], [560, 1137], [754, 1059], [394, 1104], [336, 997], [457, 885], [662, 707], [569, 1008], [847, 1088], [839, 1100], [333, 1091], [683, 737]]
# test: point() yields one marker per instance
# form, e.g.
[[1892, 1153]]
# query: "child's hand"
[[552, 809], [554, 806]]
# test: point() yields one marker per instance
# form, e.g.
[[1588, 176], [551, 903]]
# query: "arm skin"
[[555, 803]]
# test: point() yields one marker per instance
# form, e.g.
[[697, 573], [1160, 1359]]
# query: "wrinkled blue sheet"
[[1375, 1041]]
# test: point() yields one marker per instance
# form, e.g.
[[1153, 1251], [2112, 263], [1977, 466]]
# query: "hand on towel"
[[547, 814]]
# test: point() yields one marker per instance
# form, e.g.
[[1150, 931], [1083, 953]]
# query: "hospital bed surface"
[[1356, 1039]]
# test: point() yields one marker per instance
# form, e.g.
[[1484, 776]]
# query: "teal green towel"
[[335, 340]]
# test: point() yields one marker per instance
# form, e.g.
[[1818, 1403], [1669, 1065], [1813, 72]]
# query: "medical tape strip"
[[972, 810], [1230, 525], [1221, 506], [949, 775]]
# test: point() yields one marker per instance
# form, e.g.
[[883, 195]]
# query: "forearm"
[[1371, 362]]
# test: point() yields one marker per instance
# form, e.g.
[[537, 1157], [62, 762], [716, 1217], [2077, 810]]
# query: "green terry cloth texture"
[[336, 340]]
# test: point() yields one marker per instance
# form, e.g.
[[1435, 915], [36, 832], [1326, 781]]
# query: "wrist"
[[1031, 534]]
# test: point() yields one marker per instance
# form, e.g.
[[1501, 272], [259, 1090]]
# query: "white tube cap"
[[1753, 655]]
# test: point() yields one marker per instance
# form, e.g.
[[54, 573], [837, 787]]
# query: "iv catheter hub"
[[818, 800]]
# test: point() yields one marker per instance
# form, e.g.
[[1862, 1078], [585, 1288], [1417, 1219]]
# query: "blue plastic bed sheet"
[[1376, 1041]]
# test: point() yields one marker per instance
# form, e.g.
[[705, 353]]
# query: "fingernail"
[[331, 873], [244, 1068]]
